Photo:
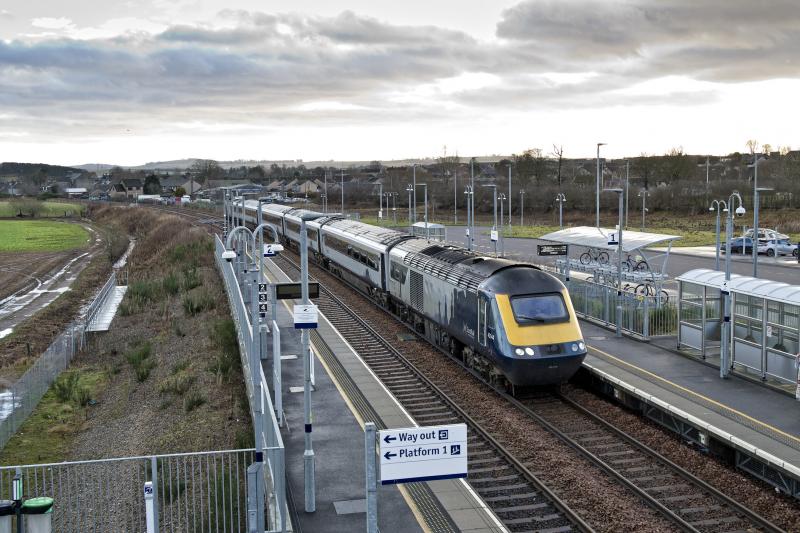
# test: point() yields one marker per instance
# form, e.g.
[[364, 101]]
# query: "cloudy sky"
[[143, 80]]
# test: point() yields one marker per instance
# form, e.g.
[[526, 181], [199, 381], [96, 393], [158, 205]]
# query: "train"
[[511, 322]]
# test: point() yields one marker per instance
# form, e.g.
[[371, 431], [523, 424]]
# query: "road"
[[783, 269]]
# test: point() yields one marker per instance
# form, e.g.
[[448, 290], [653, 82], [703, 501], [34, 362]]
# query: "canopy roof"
[[431, 225], [592, 237], [757, 287]]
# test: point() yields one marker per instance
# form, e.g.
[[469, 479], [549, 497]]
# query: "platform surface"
[[339, 445], [762, 417]]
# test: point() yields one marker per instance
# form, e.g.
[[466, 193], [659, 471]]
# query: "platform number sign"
[[269, 250], [263, 299], [612, 239]]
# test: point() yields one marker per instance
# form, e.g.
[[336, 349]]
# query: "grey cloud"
[[710, 39]]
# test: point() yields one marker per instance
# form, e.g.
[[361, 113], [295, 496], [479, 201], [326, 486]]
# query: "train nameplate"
[[551, 249]]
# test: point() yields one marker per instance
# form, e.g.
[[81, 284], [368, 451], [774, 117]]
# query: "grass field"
[[47, 209], [40, 236]]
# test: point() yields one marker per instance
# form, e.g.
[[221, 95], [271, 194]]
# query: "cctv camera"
[[229, 255], [740, 211]]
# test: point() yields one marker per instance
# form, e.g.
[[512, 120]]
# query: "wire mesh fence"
[[195, 492]]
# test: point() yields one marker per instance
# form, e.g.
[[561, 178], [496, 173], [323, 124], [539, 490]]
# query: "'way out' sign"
[[423, 454]]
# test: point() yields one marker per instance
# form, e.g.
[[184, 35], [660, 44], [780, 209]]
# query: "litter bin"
[[38, 515], [6, 514]]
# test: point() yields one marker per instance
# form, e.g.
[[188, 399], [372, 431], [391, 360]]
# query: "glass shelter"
[[764, 315]]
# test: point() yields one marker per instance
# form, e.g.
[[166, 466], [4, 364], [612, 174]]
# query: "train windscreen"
[[539, 308]]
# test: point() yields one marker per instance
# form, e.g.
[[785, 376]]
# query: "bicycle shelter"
[[597, 240], [765, 315]]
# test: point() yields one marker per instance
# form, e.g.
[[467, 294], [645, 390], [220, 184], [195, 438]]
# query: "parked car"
[[777, 247], [738, 244], [765, 234]]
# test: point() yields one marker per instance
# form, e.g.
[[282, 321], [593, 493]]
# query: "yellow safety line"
[[693, 393]]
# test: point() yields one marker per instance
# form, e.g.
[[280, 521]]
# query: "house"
[[118, 192], [133, 187], [308, 187]]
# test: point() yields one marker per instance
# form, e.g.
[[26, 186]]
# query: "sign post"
[[149, 507], [423, 453], [372, 481]]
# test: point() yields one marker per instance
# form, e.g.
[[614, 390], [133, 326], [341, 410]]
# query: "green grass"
[[40, 236], [46, 436], [47, 209]]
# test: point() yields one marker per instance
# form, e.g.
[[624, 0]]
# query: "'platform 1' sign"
[[423, 454]]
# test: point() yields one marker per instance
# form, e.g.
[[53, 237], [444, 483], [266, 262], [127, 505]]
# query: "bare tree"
[[752, 145], [558, 153]]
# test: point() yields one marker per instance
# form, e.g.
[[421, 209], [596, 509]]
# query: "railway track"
[[688, 502], [519, 499], [515, 494]]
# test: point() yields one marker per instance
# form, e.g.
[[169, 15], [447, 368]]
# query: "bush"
[[139, 358], [194, 304], [170, 284], [69, 389], [178, 383], [223, 336], [191, 279], [193, 400]]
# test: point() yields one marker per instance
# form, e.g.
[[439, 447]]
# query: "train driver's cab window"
[[539, 309], [399, 272]]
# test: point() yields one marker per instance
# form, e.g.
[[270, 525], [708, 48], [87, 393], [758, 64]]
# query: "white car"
[[766, 234], [775, 247]]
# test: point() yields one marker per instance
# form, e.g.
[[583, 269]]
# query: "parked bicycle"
[[594, 256], [635, 264], [649, 289]]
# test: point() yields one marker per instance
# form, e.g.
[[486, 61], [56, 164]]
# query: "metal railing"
[[196, 492], [642, 316], [100, 299], [269, 441]]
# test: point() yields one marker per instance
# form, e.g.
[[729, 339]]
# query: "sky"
[[135, 81]]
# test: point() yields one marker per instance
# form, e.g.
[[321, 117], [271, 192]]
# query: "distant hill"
[[31, 170]]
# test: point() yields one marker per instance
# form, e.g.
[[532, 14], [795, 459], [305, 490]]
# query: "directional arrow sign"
[[423, 453]]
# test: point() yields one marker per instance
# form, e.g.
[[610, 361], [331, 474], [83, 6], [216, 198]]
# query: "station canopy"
[[746, 285], [592, 237]]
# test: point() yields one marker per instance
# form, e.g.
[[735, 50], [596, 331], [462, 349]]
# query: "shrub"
[[178, 383], [193, 400], [191, 279], [139, 358], [170, 284], [223, 336], [69, 389], [194, 304]]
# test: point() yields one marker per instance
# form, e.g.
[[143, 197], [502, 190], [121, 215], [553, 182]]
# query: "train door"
[[483, 304]]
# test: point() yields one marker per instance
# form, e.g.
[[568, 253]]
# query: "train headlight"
[[581, 345], [529, 351], [519, 351]]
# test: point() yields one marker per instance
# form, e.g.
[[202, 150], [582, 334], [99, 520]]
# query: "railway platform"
[[347, 394], [756, 427]]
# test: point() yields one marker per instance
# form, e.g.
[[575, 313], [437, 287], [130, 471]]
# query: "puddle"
[[8, 403], [6, 332]]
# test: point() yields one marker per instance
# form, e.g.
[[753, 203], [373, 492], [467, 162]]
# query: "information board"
[[423, 453], [551, 249], [305, 316]]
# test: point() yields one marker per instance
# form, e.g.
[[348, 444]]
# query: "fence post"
[[646, 325], [255, 498], [154, 481]]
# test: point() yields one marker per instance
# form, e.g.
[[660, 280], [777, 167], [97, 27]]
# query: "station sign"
[[423, 453], [493, 235], [551, 249], [305, 316], [294, 291]]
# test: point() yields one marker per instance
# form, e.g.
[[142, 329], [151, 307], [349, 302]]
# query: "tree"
[[206, 169], [644, 165], [180, 191], [752, 145], [676, 165], [152, 185], [558, 153]]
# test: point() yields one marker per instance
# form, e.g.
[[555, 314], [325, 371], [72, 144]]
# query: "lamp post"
[[620, 193], [468, 194], [597, 187], [627, 188], [715, 206], [393, 194], [724, 363], [522, 207], [502, 198], [643, 194], [455, 196], [380, 202], [560, 198], [427, 235], [757, 159], [409, 190], [509, 195], [414, 189], [325, 194], [494, 220], [342, 191]]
